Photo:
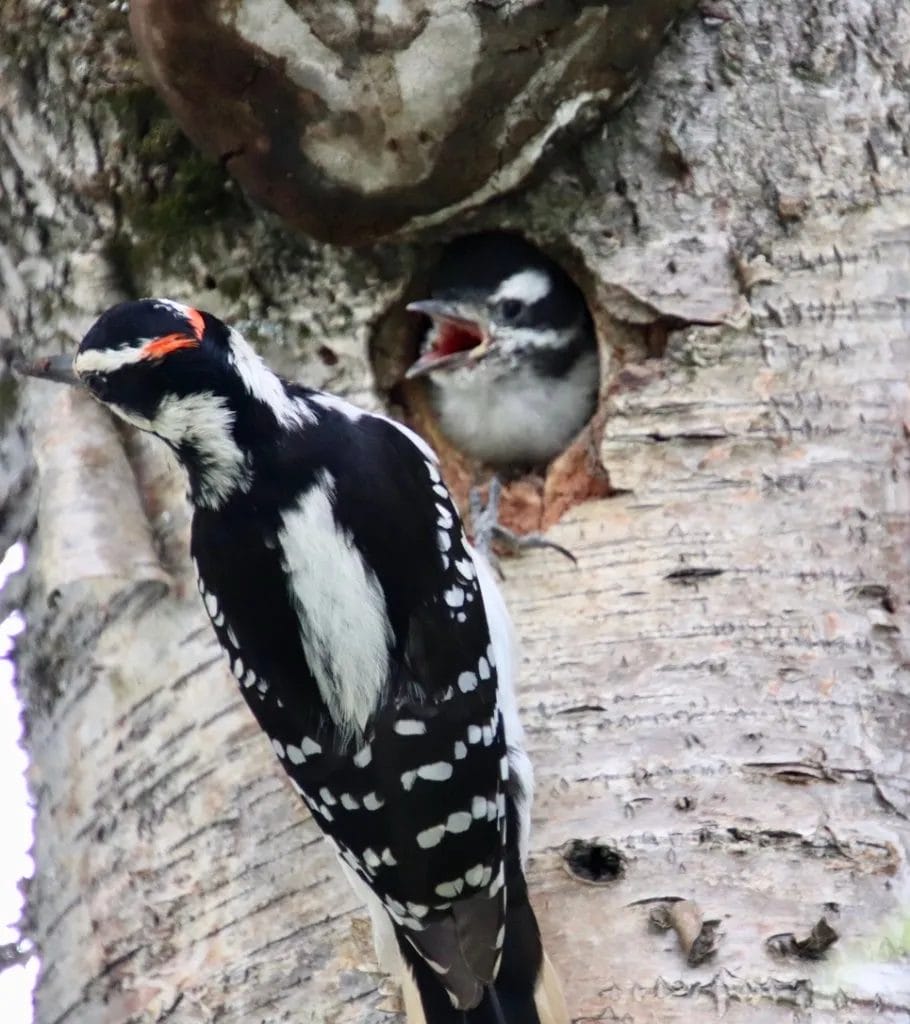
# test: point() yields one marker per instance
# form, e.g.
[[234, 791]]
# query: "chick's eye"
[[510, 309]]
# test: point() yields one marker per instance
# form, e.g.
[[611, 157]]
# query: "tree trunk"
[[716, 697]]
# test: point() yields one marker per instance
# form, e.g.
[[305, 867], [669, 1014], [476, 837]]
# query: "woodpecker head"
[[496, 300], [139, 355], [184, 375]]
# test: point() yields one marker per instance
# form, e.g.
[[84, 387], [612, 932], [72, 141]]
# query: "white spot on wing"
[[473, 876], [497, 882], [460, 821], [431, 836], [467, 682], [438, 771], [410, 727], [465, 568], [372, 802], [449, 890], [363, 756]]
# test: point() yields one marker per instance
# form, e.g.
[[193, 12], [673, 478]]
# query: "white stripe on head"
[[344, 625], [528, 286], [264, 385], [107, 360]]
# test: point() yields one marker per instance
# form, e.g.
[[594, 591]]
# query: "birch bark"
[[717, 694]]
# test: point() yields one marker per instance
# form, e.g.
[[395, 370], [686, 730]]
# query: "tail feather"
[[526, 989]]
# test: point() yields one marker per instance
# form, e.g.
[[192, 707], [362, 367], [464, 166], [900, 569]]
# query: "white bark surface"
[[719, 690]]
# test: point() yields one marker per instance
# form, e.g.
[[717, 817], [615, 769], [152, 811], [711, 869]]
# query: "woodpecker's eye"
[[97, 383], [511, 309]]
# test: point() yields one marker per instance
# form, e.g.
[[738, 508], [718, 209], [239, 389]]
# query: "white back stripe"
[[344, 627]]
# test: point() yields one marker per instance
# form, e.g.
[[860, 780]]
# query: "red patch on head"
[[159, 347], [197, 322]]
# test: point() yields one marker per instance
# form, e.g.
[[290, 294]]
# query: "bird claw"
[[487, 529], [519, 542]]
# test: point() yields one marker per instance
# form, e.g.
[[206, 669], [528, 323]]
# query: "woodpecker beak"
[[56, 368], [461, 335]]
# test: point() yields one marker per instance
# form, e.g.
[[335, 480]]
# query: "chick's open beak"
[[55, 368], [461, 335]]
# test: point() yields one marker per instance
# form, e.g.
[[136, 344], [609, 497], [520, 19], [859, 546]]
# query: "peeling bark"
[[718, 692]]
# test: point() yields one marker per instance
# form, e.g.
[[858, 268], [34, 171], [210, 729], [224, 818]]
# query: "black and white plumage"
[[510, 355], [369, 640]]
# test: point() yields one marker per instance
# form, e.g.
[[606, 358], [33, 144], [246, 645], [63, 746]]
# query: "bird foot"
[[487, 528]]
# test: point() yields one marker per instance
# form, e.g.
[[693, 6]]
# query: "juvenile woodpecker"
[[369, 640], [510, 352]]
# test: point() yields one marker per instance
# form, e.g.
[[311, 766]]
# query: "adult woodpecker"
[[510, 355], [368, 638]]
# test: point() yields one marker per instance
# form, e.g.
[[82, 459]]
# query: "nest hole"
[[531, 502]]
